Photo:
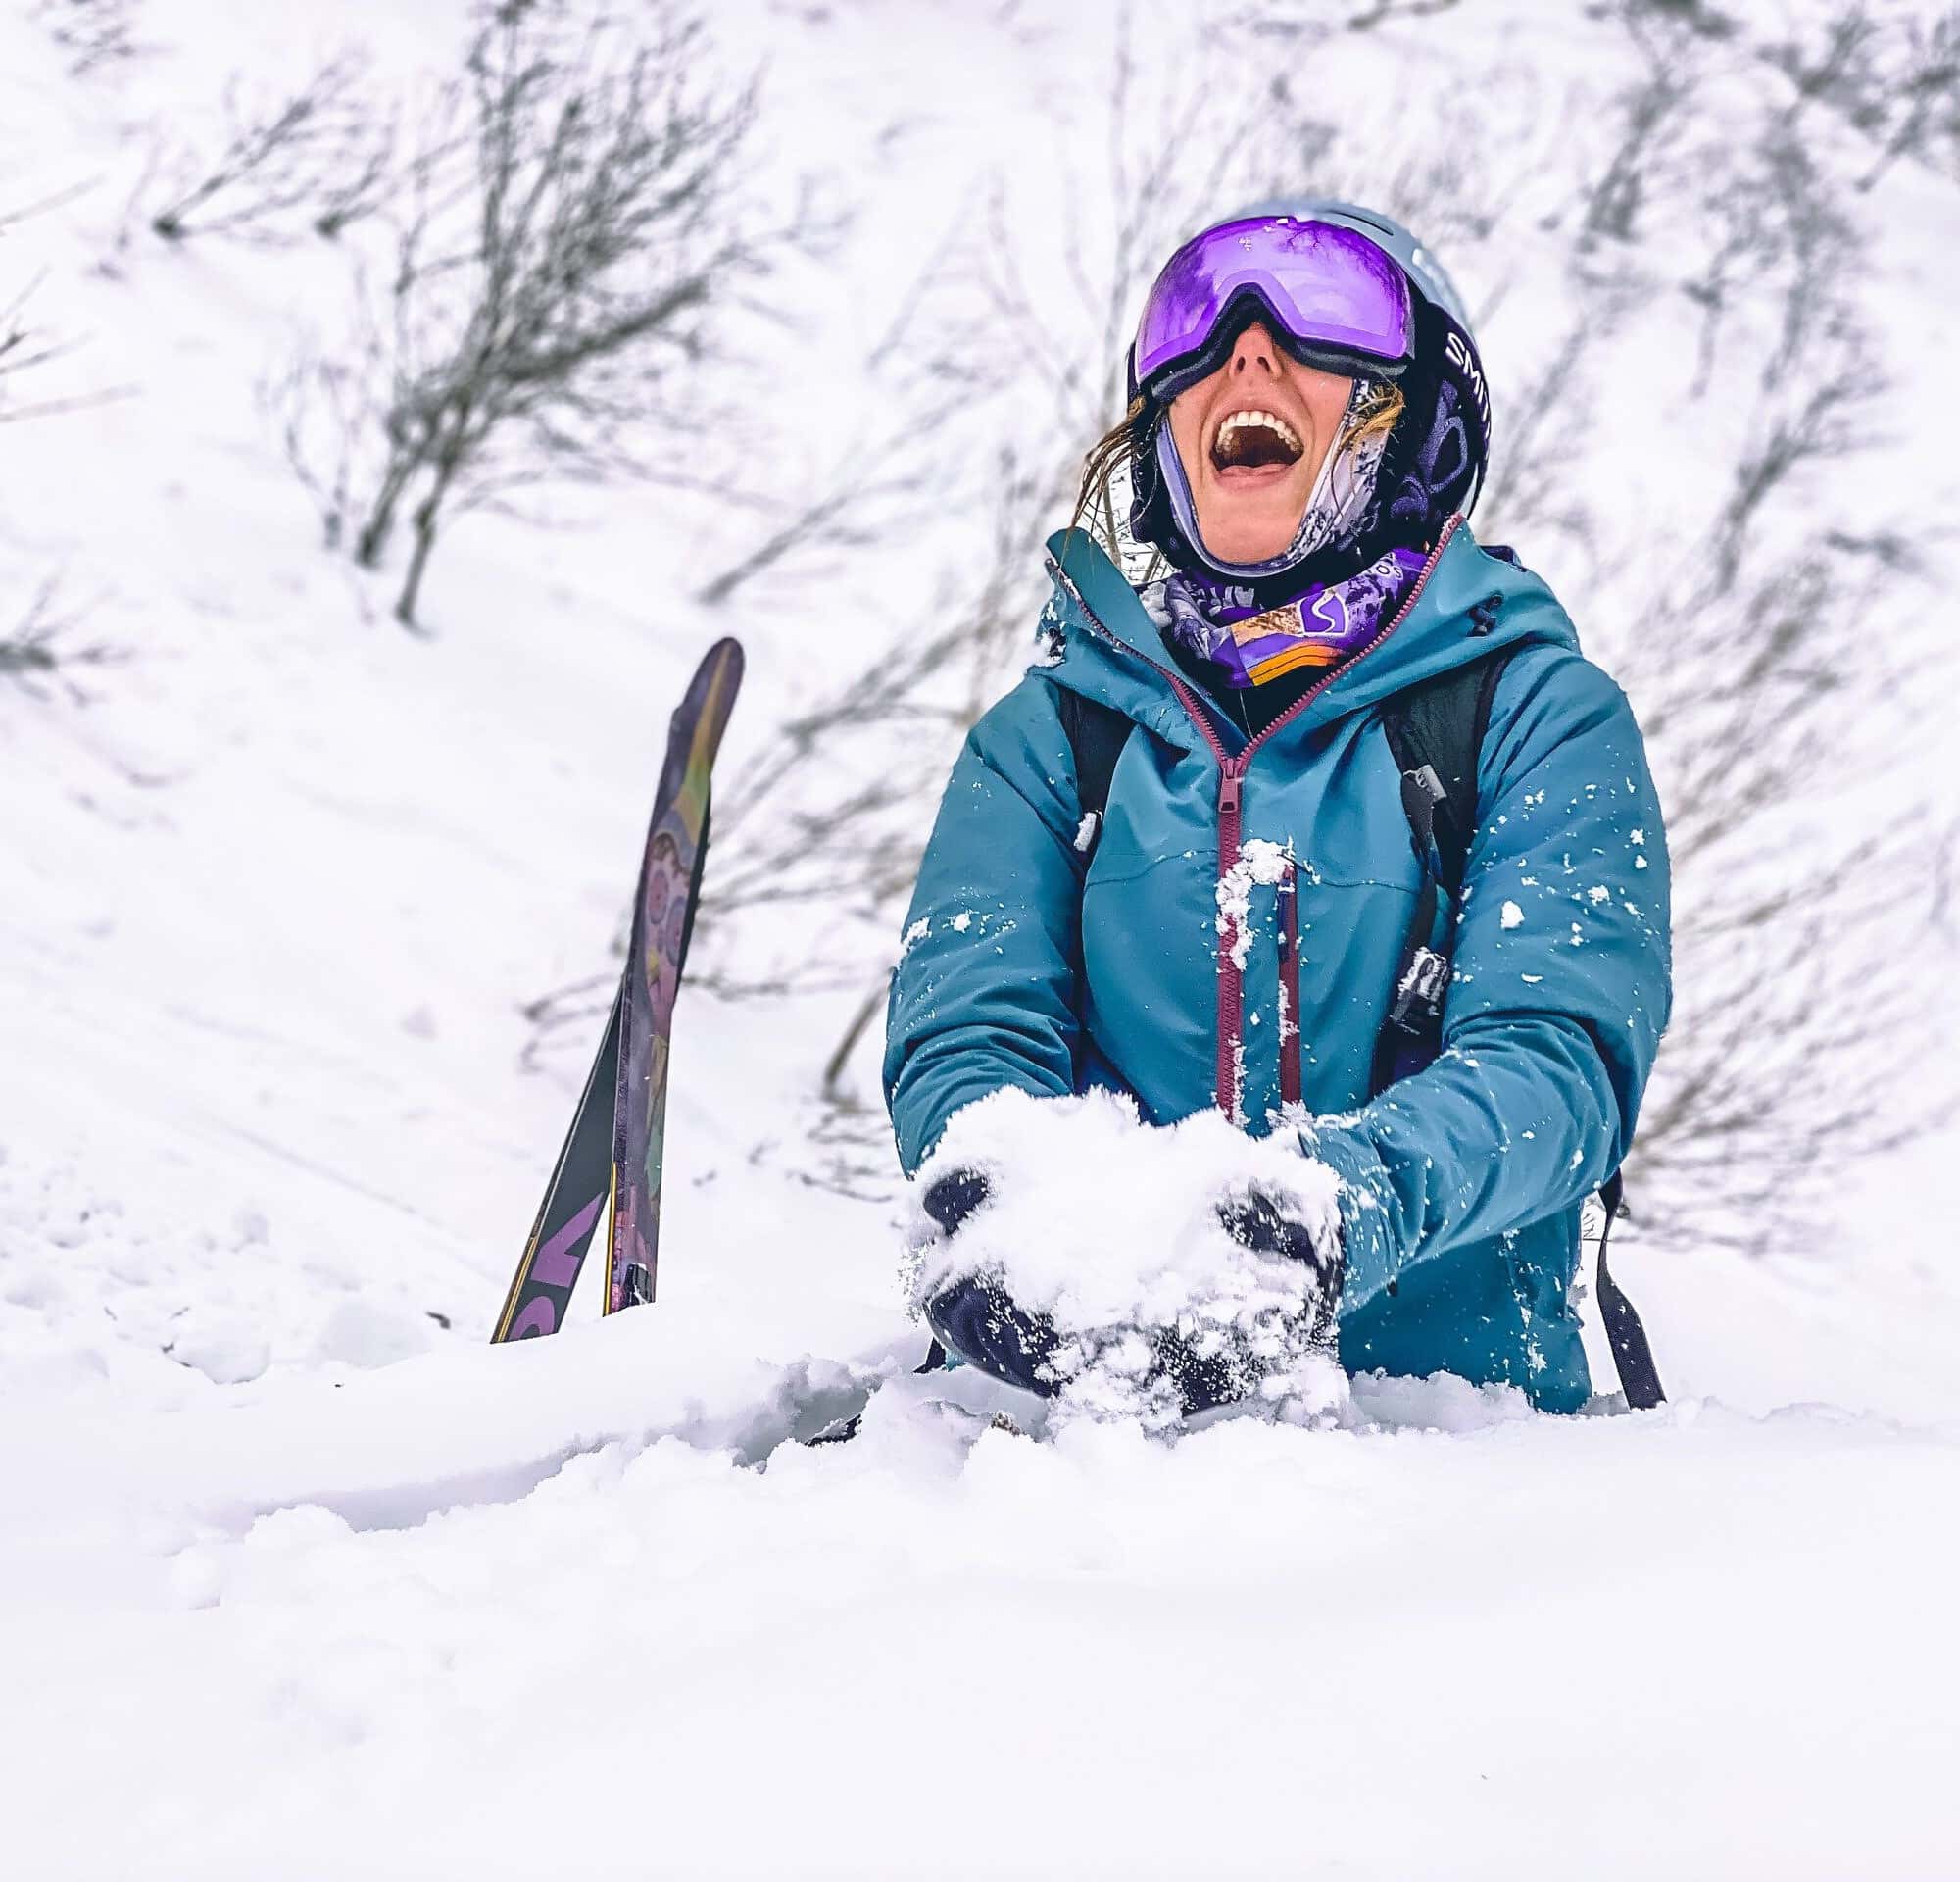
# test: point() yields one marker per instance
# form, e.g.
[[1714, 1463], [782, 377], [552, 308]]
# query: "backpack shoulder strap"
[[1436, 730], [1096, 734], [1633, 1357], [1438, 726]]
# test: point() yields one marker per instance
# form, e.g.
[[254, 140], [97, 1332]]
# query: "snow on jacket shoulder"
[[1025, 966]]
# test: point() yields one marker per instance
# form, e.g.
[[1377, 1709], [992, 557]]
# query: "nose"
[[1254, 349]]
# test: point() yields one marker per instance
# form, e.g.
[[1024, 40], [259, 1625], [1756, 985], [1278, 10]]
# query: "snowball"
[[1112, 1228]]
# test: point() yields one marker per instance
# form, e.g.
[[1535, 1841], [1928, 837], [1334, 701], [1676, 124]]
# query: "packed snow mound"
[[1112, 1228]]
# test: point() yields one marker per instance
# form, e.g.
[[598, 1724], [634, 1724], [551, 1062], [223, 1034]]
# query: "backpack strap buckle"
[[1418, 1002]]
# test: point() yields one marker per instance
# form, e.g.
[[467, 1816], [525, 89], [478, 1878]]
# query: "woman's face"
[[1252, 439]]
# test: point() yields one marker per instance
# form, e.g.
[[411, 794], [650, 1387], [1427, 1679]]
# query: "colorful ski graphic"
[[613, 1154], [579, 1188], [663, 915]]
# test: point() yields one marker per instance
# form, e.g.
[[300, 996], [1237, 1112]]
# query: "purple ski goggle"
[[1334, 299]]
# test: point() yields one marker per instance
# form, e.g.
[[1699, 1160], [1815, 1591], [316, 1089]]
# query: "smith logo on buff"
[[1219, 622]]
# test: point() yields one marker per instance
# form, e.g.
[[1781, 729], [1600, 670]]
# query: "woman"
[[1309, 429]]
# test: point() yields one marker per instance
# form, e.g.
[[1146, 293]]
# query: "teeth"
[[1239, 420]]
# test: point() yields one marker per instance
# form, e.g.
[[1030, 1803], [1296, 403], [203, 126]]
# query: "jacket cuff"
[[1368, 1243]]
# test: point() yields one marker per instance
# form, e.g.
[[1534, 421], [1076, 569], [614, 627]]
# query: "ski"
[[579, 1188], [614, 1150], [663, 924]]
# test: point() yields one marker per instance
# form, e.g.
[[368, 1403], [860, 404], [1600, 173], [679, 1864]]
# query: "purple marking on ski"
[[539, 1317], [556, 1265]]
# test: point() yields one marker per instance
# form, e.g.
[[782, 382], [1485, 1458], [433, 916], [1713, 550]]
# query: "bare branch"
[[93, 33], [312, 159], [24, 348], [40, 650]]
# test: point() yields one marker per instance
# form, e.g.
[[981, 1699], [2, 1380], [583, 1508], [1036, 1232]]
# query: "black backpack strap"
[[1633, 1357], [1436, 731], [1439, 727], [1096, 734]]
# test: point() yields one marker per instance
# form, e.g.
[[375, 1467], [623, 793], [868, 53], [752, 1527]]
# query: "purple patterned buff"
[[1218, 621]]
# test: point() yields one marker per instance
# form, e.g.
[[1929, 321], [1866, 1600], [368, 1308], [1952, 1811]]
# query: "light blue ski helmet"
[[1436, 457]]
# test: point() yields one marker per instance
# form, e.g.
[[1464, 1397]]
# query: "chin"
[[1244, 533], [1244, 546]]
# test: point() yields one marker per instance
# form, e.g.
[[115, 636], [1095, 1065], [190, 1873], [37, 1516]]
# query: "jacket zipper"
[[1289, 1009], [1231, 792]]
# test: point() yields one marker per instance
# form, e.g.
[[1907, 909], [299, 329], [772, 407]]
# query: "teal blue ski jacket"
[[1031, 961]]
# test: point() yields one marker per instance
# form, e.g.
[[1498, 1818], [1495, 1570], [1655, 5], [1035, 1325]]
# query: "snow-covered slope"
[[299, 1577]]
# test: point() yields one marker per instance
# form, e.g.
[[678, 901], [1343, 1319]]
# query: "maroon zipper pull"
[[1228, 788]]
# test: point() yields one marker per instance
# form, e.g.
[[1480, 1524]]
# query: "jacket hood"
[[1104, 644]]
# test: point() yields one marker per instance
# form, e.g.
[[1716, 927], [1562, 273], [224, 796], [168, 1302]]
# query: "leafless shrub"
[[92, 32], [1800, 934], [567, 1014], [26, 346], [1381, 12], [572, 218], [1266, 23], [1894, 77], [41, 651], [315, 159], [1653, 112], [22, 347], [327, 404]]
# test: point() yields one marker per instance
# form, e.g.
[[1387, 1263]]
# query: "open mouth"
[[1253, 440]]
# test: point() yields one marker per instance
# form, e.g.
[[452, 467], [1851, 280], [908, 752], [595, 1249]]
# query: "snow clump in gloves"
[[1128, 1270]]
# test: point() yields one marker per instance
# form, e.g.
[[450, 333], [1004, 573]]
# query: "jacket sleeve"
[[984, 994], [1560, 991]]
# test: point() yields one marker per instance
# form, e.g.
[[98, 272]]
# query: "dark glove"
[[974, 1319], [1260, 1225], [954, 1198]]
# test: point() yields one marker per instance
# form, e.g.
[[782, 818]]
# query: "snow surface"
[[299, 1577]]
